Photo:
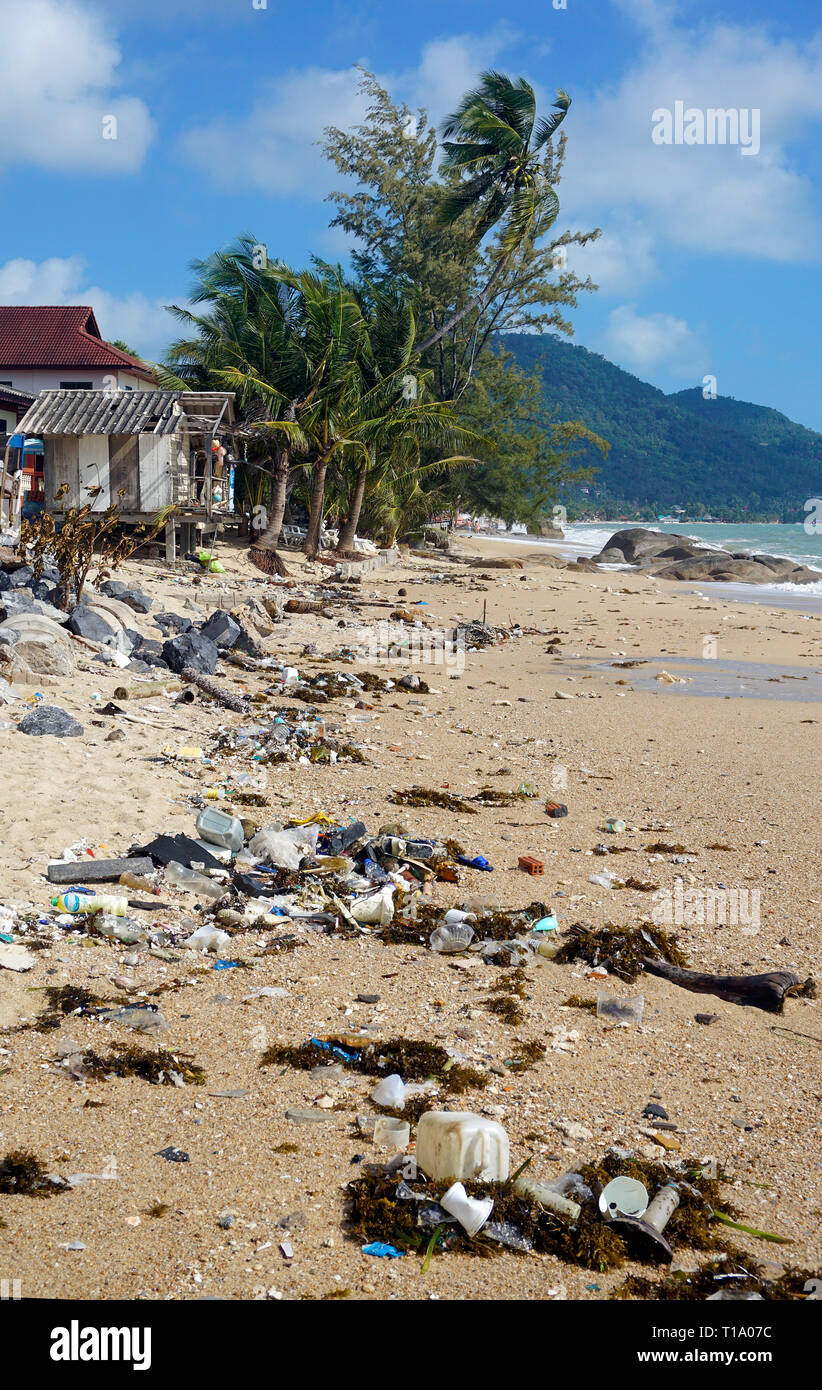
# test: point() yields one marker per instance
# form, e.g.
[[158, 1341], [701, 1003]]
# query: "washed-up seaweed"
[[413, 1061], [429, 796], [22, 1174], [576, 1001], [69, 999], [159, 1068], [385, 1207], [621, 950], [733, 1271]]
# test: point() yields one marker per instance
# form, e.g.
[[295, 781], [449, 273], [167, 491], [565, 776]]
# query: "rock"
[[637, 543], [15, 957], [150, 653], [116, 736], [24, 601], [654, 1112], [222, 630], [22, 577], [50, 719], [549, 530], [7, 695], [577, 1133], [115, 588], [39, 644], [191, 649], [85, 622], [172, 622], [583, 565]]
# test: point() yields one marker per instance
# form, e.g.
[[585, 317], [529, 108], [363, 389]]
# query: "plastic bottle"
[[139, 883], [218, 828], [78, 903], [180, 877]]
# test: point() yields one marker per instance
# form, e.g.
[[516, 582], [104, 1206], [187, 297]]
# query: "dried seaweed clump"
[[429, 796], [528, 1055], [413, 1061], [403, 931], [68, 999], [733, 1271], [691, 1226], [576, 1001], [620, 949], [160, 1067], [506, 1007], [22, 1174]]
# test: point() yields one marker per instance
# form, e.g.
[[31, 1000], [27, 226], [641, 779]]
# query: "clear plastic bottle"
[[138, 883], [180, 877]]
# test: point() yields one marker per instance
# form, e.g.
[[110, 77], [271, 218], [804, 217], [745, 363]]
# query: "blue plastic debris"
[[335, 1050], [226, 965], [383, 1251], [478, 862], [548, 923]]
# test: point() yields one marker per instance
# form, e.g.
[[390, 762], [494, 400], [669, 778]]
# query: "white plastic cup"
[[471, 1212]]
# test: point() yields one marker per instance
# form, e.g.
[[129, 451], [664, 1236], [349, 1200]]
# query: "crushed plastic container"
[[616, 1010], [390, 1133], [217, 828], [459, 1145], [390, 1092], [180, 877], [449, 939]]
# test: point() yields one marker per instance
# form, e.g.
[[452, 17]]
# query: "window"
[[75, 386]]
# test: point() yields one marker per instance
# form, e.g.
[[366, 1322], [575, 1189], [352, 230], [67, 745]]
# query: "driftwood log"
[[767, 991], [213, 689]]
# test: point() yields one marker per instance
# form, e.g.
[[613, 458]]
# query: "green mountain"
[[722, 457]]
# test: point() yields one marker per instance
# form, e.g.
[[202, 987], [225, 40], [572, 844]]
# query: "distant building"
[[59, 347], [13, 406]]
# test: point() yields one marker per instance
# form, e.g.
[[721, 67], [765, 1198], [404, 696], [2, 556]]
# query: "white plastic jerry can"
[[456, 1144]]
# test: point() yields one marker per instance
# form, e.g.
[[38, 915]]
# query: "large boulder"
[[222, 629], [50, 719], [115, 588], [191, 649], [90, 623], [172, 622], [39, 644], [150, 653], [636, 544], [718, 566], [23, 601]]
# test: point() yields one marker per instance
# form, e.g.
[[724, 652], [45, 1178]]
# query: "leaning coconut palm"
[[498, 158], [245, 339], [395, 415]]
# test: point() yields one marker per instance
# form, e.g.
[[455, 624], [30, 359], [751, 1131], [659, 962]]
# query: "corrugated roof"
[[102, 412], [59, 335], [118, 412]]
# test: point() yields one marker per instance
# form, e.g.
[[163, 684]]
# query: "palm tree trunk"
[[264, 553], [477, 302], [311, 544], [348, 530]]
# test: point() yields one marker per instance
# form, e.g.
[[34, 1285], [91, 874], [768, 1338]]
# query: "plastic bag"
[[377, 909]]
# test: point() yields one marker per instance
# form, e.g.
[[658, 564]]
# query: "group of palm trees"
[[330, 374]]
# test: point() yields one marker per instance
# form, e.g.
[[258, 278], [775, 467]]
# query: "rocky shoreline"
[[667, 555]]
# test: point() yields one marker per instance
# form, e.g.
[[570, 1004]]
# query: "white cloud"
[[274, 148], [654, 342], [141, 322], [618, 262], [58, 92], [702, 198]]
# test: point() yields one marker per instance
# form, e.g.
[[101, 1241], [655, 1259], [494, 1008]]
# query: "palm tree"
[[246, 340], [497, 158]]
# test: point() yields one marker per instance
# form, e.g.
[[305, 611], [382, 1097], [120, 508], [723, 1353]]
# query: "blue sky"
[[710, 260]]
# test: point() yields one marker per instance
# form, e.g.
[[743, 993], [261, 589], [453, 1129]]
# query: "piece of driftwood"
[[308, 605], [210, 687], [767, 991]]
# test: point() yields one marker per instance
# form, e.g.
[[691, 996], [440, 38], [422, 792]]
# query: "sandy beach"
[[729, 757]]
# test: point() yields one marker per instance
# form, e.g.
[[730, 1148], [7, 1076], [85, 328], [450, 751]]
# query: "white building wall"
[[38, 379]]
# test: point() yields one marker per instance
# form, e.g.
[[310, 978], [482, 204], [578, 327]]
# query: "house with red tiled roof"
[[59, 347]]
